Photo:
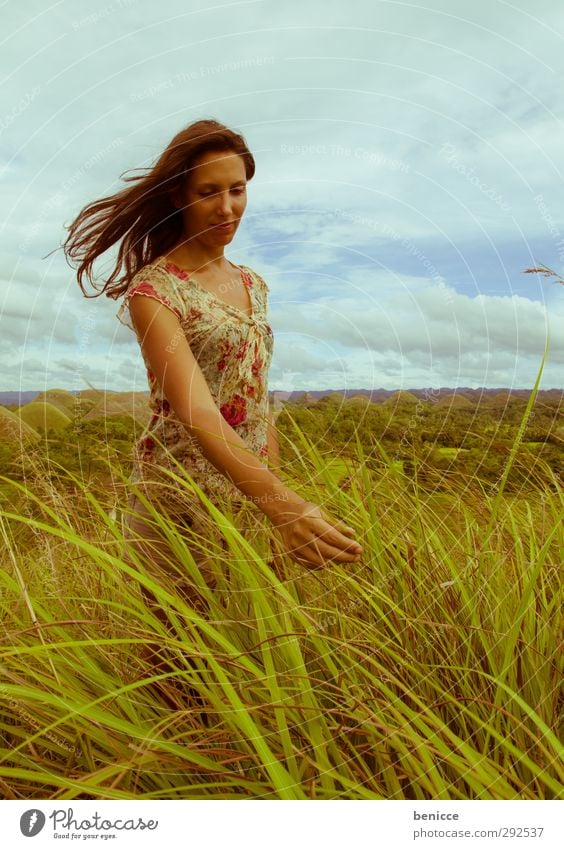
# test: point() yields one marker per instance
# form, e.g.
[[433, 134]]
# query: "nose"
[[224, 202]]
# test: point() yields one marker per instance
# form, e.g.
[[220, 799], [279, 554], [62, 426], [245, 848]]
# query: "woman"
[[201, 323]]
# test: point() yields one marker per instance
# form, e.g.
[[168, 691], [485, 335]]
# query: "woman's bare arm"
[[274, 460], [310, 536]]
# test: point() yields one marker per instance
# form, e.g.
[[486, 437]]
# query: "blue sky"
[[409, 168]]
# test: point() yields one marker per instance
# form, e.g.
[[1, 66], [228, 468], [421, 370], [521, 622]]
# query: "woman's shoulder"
[[256, 276], [153, 281], [152, 272]]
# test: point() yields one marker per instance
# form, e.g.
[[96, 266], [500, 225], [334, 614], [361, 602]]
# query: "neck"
[[194, 254]]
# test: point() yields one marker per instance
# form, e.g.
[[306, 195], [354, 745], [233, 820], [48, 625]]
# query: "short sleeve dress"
[[234, 352]]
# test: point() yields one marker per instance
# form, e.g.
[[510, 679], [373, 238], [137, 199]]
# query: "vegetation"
[[429, 671], [444, 440]]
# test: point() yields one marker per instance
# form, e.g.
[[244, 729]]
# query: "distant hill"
[[402, 397], [105, 404], [43, 416], [360, 401], [60, 398], [64, 397], [14, 429], [501, 399], [92, 403], [279, 396], [18, 397], [456, 401], [81, 403]]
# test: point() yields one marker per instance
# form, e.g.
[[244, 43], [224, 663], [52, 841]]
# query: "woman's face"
[[215, 193]]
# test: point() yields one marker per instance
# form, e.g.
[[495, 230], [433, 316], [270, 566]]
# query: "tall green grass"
[[431, 670]]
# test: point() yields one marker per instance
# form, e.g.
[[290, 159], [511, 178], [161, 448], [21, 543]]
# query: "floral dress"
[[234, 352]]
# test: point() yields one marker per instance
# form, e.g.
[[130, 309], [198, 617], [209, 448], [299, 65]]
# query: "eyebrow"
[[214, 185]]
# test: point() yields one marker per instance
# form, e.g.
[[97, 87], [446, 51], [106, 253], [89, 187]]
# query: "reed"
[[430, 670]]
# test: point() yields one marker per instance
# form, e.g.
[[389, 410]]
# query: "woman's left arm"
[[274, 460]]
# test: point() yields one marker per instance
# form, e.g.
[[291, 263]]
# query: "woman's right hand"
[[312, 538]]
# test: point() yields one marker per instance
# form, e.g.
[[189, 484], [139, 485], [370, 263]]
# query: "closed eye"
[[233, 191]]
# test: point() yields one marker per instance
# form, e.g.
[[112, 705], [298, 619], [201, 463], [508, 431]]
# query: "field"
[[431, 670]]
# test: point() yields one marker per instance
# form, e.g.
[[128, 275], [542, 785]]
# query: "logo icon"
[[31, 822]]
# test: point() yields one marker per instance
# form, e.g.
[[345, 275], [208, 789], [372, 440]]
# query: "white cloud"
[[431, 331]]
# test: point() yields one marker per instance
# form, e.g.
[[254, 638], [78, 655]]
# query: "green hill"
[[60, 398], [455, 401], [43, 416], [13, 429], [358, 402], [502, 399], [402, 397], [135, 404]]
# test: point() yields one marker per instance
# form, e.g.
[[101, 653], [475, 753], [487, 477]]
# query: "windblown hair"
[[144, 216]]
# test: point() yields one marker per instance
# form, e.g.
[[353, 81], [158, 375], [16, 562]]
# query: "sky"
[[409, 169]]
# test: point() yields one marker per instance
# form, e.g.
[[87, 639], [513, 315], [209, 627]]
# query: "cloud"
[[432, 331], [409, 167]]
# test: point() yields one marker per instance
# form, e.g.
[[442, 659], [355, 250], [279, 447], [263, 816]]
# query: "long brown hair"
[[144, 216]]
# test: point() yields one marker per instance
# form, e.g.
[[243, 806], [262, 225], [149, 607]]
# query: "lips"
[[225, 226]]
